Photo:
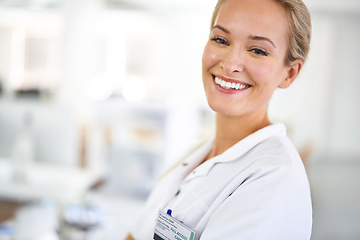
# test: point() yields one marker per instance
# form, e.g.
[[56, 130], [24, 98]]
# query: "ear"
[[292, 73]]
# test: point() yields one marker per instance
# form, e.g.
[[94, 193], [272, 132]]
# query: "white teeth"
[[228, 85]]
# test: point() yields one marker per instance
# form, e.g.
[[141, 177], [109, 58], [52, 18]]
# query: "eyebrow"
[[222, 29], [260, 38], [252, 37]]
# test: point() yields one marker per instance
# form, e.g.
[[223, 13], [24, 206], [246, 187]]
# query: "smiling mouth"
[[231, 85]]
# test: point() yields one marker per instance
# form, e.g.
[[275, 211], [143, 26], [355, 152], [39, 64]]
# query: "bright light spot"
[[134, 89], [99, 90]]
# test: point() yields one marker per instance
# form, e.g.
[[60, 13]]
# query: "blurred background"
[[97, 97]]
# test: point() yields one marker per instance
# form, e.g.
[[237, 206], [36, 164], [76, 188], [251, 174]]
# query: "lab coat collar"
[[251, 141], [198, 155], [233, 153]]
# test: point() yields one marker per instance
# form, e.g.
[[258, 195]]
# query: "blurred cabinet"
[[30, 50], [52, 128], [135, 137], [144, 138]]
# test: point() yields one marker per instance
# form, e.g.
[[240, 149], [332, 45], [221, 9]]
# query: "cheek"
[[266, 73], [209, 57]]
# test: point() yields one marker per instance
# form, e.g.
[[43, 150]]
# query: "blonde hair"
[[299, 28]]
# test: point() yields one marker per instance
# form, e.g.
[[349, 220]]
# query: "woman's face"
[[244, 58]]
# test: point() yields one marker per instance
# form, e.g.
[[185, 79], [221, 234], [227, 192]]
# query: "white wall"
[[344, 97], [320, 108]]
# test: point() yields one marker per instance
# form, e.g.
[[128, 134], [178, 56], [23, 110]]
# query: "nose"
[[232, 61]]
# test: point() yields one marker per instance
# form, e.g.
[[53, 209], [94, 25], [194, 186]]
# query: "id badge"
[[168, 228]]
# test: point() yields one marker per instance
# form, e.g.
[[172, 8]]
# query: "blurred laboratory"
[[98, 97]]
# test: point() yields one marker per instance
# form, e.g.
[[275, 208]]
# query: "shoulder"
[[276, 151], [275, 171], [272, 200]]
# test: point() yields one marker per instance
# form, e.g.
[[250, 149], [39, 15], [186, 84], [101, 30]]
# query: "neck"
[[232, 129]]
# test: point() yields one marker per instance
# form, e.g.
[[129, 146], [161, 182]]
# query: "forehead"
[[256, 17]]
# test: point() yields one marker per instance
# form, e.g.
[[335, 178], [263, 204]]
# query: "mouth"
[[231, 84]]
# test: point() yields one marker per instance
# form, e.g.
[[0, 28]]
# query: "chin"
[[220, 108]]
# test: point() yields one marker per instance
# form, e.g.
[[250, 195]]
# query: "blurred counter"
[[61, 183]]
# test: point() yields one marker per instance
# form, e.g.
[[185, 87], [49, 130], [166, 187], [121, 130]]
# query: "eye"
[[259, 51], [220, 41]]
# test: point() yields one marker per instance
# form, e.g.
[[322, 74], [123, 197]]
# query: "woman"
[[248, 182]]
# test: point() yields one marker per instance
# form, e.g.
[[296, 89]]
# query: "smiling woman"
[[248, 46], [248, 181]]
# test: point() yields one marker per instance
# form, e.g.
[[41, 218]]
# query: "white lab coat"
[[257, 189]]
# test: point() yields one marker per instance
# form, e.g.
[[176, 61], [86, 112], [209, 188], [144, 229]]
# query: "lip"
[[230, 91]]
